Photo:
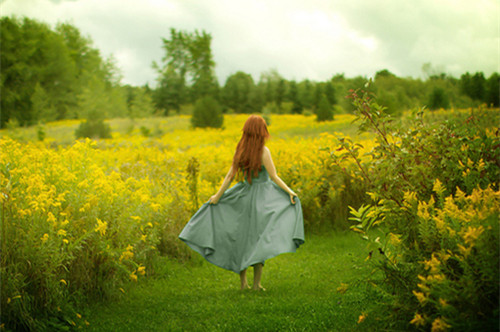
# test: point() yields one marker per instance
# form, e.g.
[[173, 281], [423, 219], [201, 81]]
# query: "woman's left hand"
[[214, 199]]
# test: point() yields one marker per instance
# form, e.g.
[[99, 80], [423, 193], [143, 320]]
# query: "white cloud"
[[312, 39]]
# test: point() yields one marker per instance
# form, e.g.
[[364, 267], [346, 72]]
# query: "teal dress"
[[250, 224]]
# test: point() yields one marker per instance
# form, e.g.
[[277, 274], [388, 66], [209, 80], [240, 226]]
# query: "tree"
[[187, 70], [44, 70], [493, 90], [324, 111], [330, 93], [294, 98], [43, 110], [306, 94], [96, 102], [280, 93], [207, 113], [438, 99], [236, 93], [141, 105], [473, 86]]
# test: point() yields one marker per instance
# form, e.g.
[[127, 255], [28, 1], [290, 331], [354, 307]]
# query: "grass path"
[[301, 294]]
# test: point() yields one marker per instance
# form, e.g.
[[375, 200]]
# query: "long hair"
[[248, 156]]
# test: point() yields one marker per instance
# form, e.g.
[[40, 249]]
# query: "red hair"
[[248, 155]]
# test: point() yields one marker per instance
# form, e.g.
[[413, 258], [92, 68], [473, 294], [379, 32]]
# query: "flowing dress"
[[250, 224]]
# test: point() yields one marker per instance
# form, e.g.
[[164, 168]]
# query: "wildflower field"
[[80, 219]]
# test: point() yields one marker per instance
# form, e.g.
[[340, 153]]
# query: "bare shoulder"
[[266, 153]]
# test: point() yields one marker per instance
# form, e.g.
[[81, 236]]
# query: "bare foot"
[[245, 286], [259, 288]]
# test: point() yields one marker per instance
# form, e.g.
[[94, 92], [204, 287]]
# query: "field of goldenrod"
[[80, 218]]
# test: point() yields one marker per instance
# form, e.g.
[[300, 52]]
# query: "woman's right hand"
[[292, 197], [214, 199]]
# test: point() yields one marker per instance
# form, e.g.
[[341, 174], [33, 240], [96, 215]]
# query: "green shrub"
[[438, 99], [93, 129], [435, 192], [324, 111], [207, 113]]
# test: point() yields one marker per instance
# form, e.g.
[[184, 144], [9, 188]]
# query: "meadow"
[[97, 221]]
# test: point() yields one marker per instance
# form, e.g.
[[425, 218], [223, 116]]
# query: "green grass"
[[301, 294]]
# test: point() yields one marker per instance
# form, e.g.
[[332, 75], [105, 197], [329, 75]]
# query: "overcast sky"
[[301, 39]]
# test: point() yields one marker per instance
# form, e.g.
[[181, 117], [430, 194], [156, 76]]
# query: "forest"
[[52, 74]]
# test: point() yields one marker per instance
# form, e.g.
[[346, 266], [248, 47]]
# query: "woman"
[[256, 219]]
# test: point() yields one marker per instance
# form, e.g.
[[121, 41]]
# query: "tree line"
[[55, 73]]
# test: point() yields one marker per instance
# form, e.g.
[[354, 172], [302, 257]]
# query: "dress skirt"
[[250, 224]]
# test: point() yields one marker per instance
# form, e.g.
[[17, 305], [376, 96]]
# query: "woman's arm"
[[267, 160], [227, 181]]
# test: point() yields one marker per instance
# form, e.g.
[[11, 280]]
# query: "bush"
[[438, 99], [93, 129], [435, 192], [324, 111], [207, 113]]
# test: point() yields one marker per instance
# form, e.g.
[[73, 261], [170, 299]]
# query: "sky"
[[300, 39]]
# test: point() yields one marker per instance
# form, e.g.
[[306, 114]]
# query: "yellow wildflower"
[[61, 232], [133, 276], [443, 303], [44, 238], [101, 226], [342, 288], [439, 222], [433, 264], [155, 206], [136, 218], [143, 237], [463, 250], [409, 198], [472, 234], [63, 281], [439, 325], [65, 241], [459, 195], [470, 163], [394, 239], [418, 320], [141, 270], [420, 297], [78, 315], [480, 165], [50, 217], [361, 318], [438, 187]]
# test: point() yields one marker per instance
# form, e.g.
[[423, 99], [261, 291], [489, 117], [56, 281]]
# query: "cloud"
[[312, 39]]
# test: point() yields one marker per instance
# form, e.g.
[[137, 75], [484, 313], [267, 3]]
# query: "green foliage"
[[187, 70], [93, 129], [240, 94], [43, 70], [207, 113], [141, 105], [324, 111], [434, 189], [438, 99]]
